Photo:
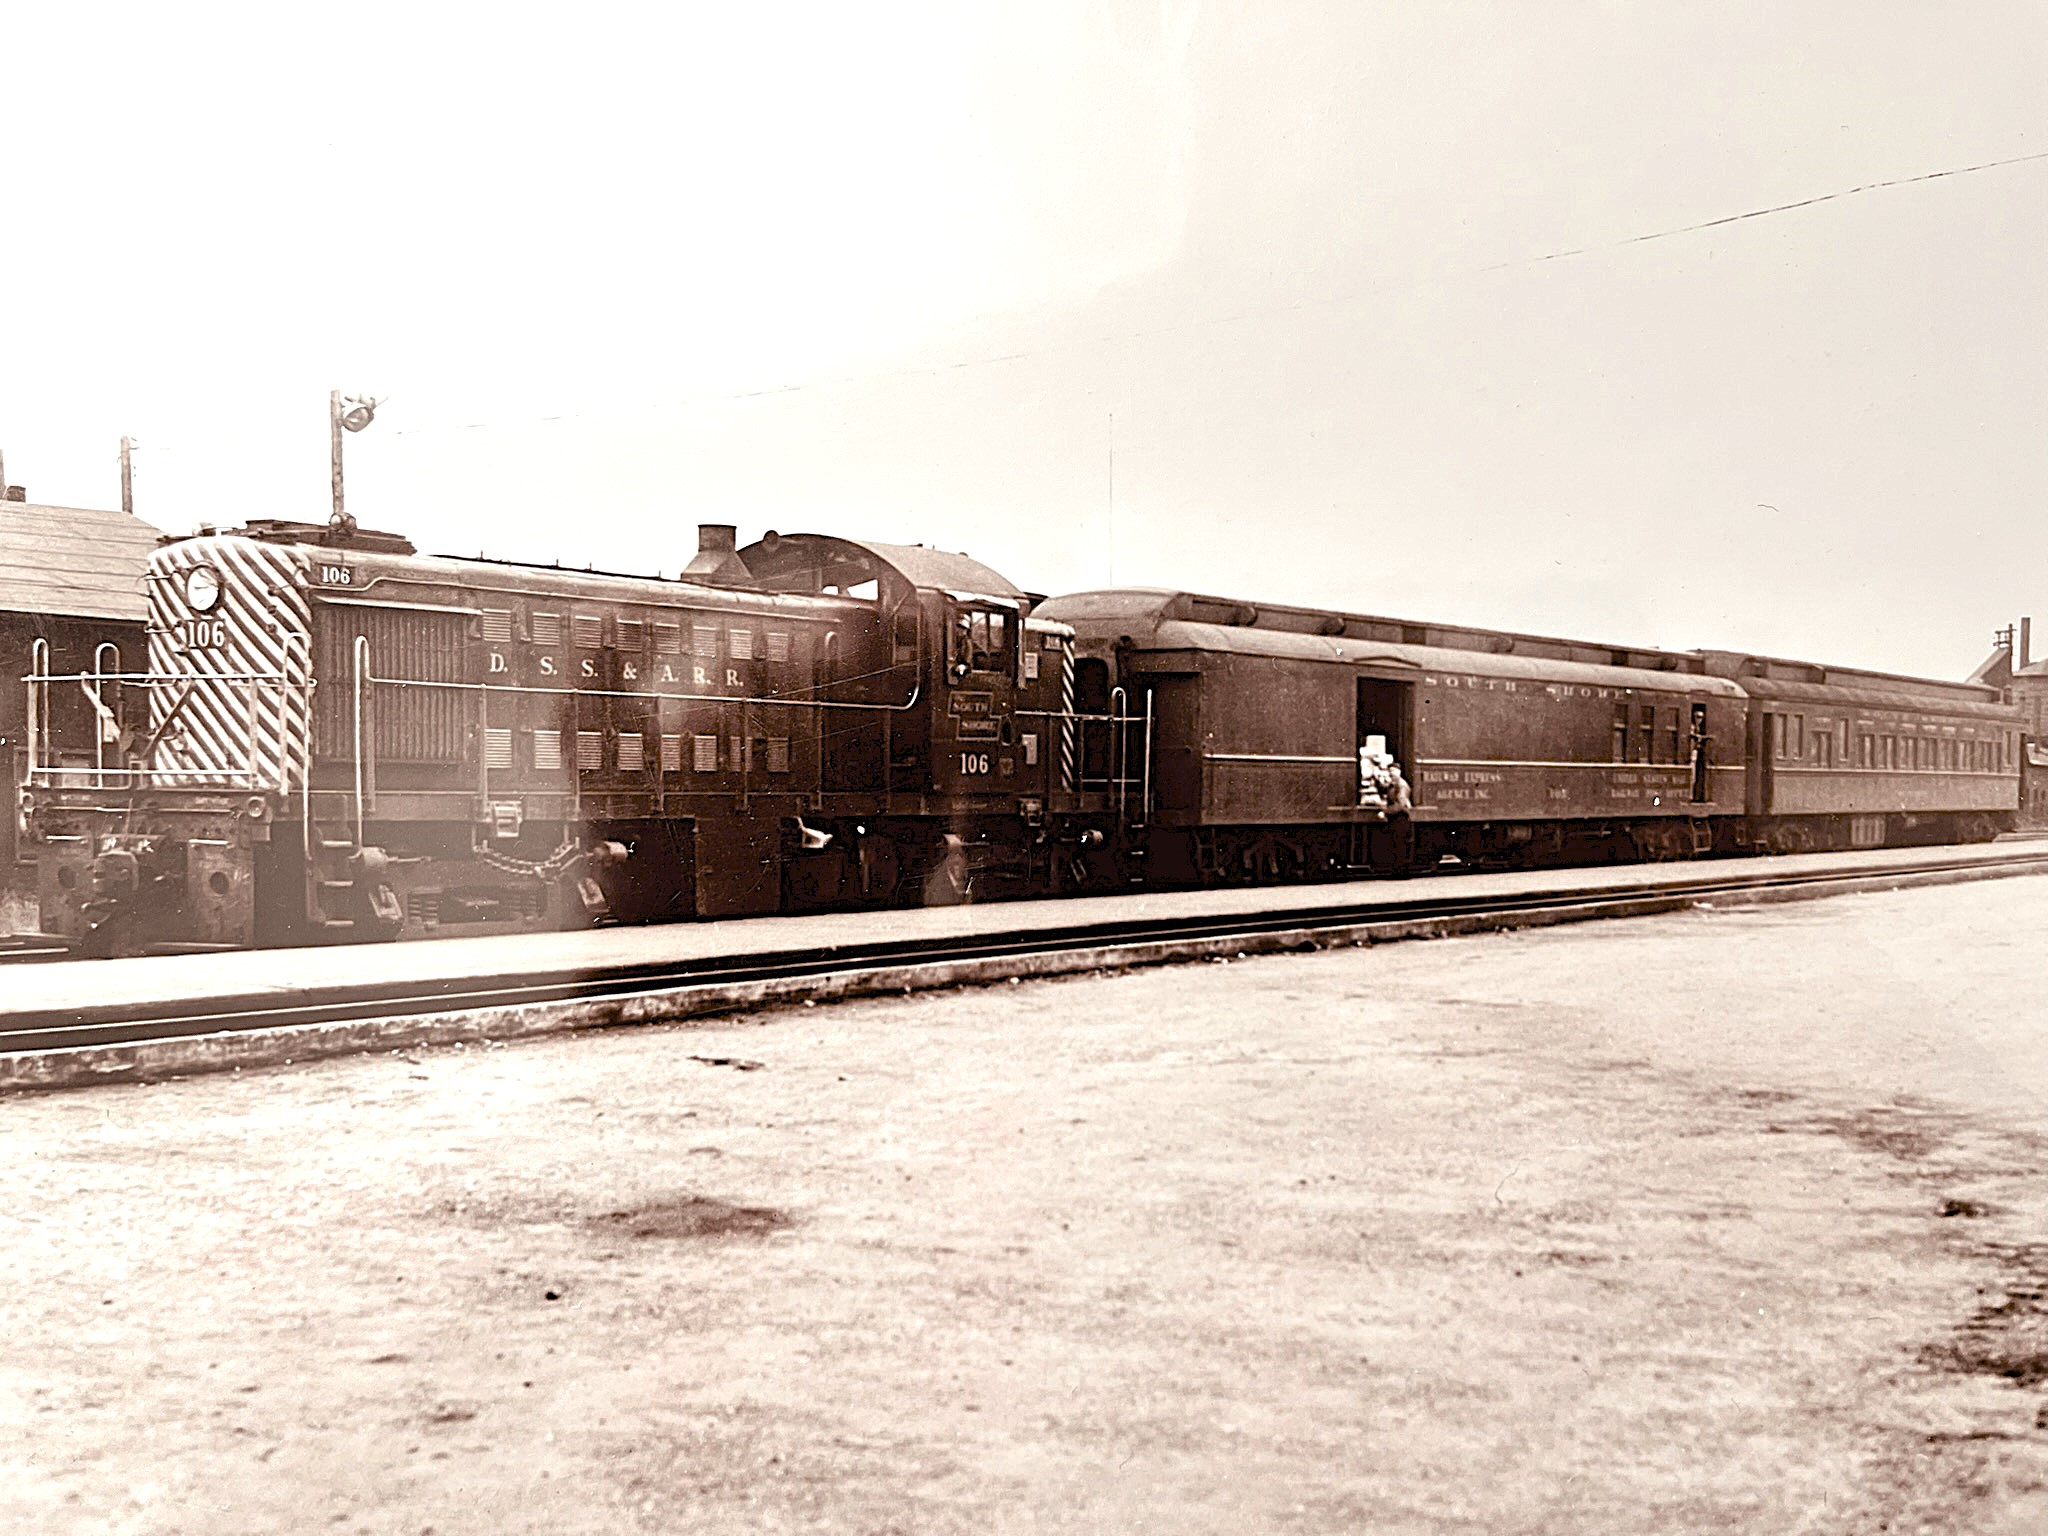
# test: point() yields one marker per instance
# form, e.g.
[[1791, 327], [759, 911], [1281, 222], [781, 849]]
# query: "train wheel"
[[1663, 842], [1790, 837]]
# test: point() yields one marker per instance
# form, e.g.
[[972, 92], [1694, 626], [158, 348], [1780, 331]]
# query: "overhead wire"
[[1239, 317]]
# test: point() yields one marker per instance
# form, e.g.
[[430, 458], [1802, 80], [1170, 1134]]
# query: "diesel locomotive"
[[338, 738]]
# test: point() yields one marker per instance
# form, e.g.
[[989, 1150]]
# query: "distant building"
[[73, 578], [2011, 666]]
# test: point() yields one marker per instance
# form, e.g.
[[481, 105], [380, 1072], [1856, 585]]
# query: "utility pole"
[[128, 476], [334, 431]]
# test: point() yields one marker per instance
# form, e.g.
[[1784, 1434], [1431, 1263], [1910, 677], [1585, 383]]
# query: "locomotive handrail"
[[629, 693], [362, 667], [165, 680], [156, 679], [329, 601], [1119, 747], [38, 700], [1145, 765], [305, 641], [54, 775], [101, 714], [1118, 779], [131, 777]]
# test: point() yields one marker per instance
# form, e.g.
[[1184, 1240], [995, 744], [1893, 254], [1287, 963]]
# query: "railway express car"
[[1519, 749], [347, 739]]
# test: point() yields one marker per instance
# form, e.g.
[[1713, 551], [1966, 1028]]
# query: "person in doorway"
[[1380, 782], [1382, 786]]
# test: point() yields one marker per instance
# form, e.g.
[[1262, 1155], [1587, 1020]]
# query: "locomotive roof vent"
[[718, 561]]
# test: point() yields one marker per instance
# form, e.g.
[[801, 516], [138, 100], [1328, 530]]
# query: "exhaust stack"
[[718, 561]]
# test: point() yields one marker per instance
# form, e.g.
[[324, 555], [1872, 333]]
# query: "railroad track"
[[949, 960]]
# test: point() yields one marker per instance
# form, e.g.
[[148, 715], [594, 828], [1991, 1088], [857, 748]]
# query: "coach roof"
[[1137, 611], [1423, 661]]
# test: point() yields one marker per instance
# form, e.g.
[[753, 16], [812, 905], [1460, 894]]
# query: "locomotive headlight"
[[202, 588]]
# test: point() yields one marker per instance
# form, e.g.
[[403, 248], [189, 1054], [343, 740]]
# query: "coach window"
[[1646, 731], [1671, 752], [1621, 733]]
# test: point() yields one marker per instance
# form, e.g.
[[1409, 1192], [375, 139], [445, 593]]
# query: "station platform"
[[88, 984]]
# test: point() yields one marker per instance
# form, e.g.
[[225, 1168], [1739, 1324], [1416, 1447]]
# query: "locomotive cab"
[[976, 752]]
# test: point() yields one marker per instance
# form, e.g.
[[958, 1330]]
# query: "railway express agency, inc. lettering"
[[1617, 784]]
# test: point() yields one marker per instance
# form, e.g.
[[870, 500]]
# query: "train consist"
[[340, 739]]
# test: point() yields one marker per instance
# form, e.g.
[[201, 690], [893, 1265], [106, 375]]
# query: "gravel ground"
[[1729, 1221]]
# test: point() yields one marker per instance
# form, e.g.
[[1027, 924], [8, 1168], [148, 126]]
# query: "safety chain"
[[553, 867]]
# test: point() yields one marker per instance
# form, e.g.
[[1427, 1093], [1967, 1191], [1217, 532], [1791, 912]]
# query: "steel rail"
[[129, 1023]]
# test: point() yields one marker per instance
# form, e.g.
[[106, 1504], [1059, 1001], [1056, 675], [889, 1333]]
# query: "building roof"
[[75, 562]]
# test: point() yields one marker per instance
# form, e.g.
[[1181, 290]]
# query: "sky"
[[1402, 308]]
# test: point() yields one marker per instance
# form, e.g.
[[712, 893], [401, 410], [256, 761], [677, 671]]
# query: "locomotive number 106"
[[203, 634]]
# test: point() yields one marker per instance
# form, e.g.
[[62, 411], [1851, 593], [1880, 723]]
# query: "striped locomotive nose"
[[228, 639]]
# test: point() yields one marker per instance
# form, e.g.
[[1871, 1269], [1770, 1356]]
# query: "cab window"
[[980, 642]]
